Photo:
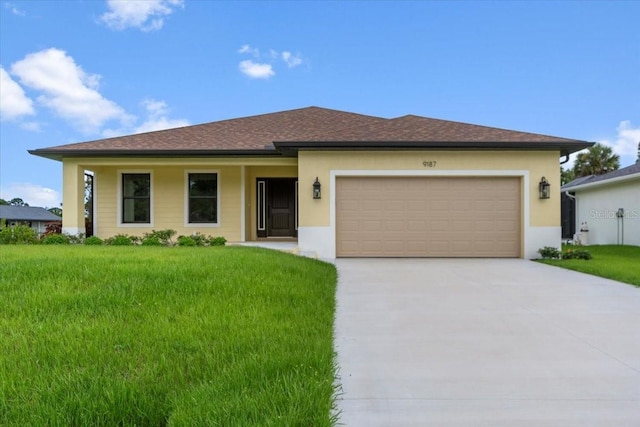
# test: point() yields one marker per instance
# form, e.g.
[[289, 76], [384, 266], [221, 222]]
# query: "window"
[[136, 198], [203, 198]]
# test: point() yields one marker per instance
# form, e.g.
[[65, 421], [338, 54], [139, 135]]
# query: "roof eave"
[[603, 182], [60, 154], [565, 147]]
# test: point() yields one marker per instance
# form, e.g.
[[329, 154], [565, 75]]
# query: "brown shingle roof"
[[246, 133], [424, 129], [311, 128]]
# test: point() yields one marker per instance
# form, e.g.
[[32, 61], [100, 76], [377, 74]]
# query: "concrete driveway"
[[474, 342]]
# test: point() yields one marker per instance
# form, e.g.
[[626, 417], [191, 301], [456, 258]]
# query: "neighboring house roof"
[[312, 128], [26, 213], [625, 174]]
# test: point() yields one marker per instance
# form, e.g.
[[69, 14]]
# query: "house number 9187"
[[429, 163]]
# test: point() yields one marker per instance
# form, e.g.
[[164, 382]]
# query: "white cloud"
[[249, 50], [13, 101], [291, 60], [31, 126], [256, 70], [628, 138], [33, 194], [68, 90], [265, 69], [147, 15], [14, 9], [157, 117], [624, 144]]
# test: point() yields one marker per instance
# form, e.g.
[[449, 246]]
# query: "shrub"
[[93, 241], [577, 254], [121, 240], [162, 236], [186, 241], [55, 239], [17, 234], [217, 241], [151, 241], [549, 252], [53, 227], [76, 239], [200, 239]]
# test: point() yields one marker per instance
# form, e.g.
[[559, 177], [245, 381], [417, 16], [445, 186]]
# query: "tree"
[[3, 202], [55, 211], [17, 202], [597, 160], [566, 175]]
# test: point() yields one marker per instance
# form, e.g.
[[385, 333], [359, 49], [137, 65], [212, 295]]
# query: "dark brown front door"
[[277, 205]]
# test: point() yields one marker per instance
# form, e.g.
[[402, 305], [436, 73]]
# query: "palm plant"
[[597, 160]]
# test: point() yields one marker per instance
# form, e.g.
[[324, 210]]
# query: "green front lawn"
[[151, 336], [621, 263]]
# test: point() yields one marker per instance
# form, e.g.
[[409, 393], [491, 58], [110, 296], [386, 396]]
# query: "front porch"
[[251, 198]]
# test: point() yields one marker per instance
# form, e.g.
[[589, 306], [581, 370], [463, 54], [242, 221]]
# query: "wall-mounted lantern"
[[544, 188], [316, 189]]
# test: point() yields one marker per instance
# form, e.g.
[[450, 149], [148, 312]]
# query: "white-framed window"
[[135, 198], [202, 198]]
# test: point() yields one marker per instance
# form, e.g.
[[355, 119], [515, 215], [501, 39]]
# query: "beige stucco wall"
[[535, 164], [168, 181], [541, 218]]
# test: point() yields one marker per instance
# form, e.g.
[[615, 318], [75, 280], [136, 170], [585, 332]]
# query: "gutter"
[[604, 182], [60, 154], [565, 148]]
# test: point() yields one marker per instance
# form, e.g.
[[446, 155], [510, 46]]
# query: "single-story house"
[[607, 207], [342, 184], [35, 217]]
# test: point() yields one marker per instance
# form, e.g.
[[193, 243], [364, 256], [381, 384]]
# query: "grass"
[[621, 263], [152, 336]]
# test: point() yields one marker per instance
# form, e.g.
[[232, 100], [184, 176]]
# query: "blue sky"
[[76, 71]]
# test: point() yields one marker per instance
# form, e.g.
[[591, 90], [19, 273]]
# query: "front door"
[[277, 207]]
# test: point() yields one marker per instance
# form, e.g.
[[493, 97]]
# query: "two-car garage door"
[[428, 216]]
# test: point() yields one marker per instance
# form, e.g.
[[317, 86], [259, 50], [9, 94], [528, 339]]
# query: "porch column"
[[72, 198], [243, 201]]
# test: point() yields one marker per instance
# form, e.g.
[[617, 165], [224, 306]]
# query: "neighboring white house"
[[34, 217], [608, 206]]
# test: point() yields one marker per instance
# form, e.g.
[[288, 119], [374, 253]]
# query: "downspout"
[[566, 159]]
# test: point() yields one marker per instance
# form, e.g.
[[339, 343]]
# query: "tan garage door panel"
[[427, 217]]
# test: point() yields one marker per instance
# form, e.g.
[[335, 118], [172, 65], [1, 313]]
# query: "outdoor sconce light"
[[316, 189], [545, 188]]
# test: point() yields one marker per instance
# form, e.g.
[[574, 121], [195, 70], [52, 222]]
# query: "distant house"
[[34, 217], [608, 206]]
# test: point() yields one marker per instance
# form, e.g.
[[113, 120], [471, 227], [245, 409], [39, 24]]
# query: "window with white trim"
[[136, 198], [202, 198]]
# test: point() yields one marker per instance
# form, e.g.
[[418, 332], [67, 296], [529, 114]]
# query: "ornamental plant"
[[576, 254], [55, 239], [549, 252]]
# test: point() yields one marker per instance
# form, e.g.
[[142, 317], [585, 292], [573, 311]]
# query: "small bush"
[[200, 239], [549, 252], [55, 239], [76, 239], [17, 234], [93, 241], [53, 227], [186, 241], [576, 254], [217, 241], [162, 236], [121, 240], [151, 241]]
